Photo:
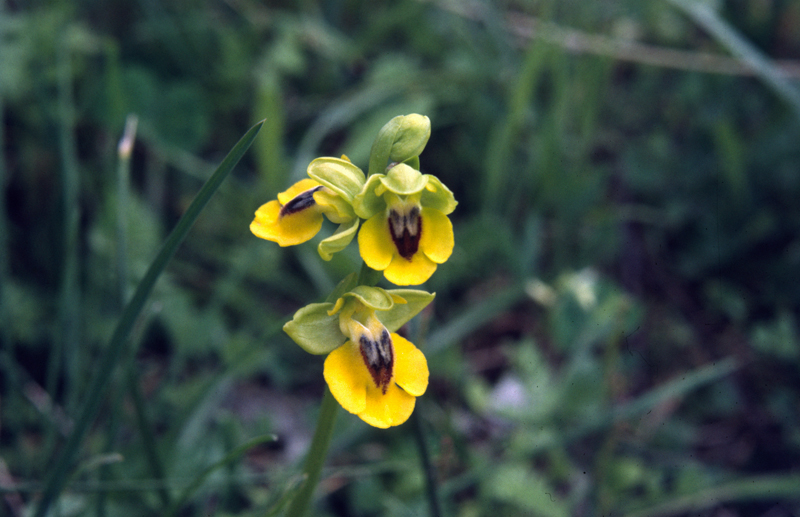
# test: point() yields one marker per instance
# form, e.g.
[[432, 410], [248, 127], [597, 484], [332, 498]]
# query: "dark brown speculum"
[[300, 202], [378, 356], [405, 227]]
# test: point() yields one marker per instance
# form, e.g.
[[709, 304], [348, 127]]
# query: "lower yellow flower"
[[406, 241], [377, 377]]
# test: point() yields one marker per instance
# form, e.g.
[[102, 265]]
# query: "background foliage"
[[615, 334]]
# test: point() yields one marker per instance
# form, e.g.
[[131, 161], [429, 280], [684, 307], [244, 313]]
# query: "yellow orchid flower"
[[371, 371], [376, 374], [407, 233]]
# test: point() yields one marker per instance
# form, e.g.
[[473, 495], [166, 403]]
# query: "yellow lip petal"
[[375, 242], [298, 188], [387, 410], [437, 239], [409, 272], [410, 366], [347, 377], [288, 230]]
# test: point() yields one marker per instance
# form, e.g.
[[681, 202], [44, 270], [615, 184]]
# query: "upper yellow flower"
[[407, 232], [296, 216], [371, 371]]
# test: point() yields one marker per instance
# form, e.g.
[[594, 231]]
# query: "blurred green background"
[[615, 333]]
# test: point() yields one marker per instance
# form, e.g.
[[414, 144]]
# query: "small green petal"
[[339, 175], [370, 201], [314, 330], [339, 240], [373, 297]]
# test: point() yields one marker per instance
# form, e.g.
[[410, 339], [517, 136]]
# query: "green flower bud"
[[400, 139]]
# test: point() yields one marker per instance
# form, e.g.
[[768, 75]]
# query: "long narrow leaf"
[[704, 16], [56, 479], [759, 488], [229, 458]]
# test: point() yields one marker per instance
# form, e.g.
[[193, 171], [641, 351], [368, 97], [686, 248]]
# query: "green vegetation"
[[616, 332]]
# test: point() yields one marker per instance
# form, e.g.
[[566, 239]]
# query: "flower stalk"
[[317, 452]]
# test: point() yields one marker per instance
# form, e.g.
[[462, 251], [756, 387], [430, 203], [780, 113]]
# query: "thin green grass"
[[55, 481]]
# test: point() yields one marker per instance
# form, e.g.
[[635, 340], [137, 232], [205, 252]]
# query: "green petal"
[[437, 195], [339, 175], [373, 297], [400, 314], [339, 240], [314, 330], [404, 180], [369, 202]]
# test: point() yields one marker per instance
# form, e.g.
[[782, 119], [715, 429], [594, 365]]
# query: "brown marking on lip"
[[406, 230], [378, 356], [300, 202]]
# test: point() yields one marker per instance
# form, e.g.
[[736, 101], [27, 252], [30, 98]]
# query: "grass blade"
[[230, 457], [760, 488], [726, 35], [57, 477]]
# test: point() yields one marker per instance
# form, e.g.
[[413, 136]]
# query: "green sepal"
[[401, 313], [437, 195], [339, 240], [339, 175], [337, 208], [404, 180], [347, 283], [398, 140], [373, 297], [368, 202], [315, 330]]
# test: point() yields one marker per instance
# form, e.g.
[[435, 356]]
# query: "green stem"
[[316, 455], [425, 457]]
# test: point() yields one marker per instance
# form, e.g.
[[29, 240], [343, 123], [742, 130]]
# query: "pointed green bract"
[[316, 331], [400, 314]]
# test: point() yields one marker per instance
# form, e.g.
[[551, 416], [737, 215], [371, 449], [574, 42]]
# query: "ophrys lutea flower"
[[296, 216], [406, 233], [372, 371]]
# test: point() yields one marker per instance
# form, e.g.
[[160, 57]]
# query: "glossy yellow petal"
[[386, 410], [410, 366], [375, 242], [298, 188], [288, 230], [347, 377], [409, 272], [436, 240]]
